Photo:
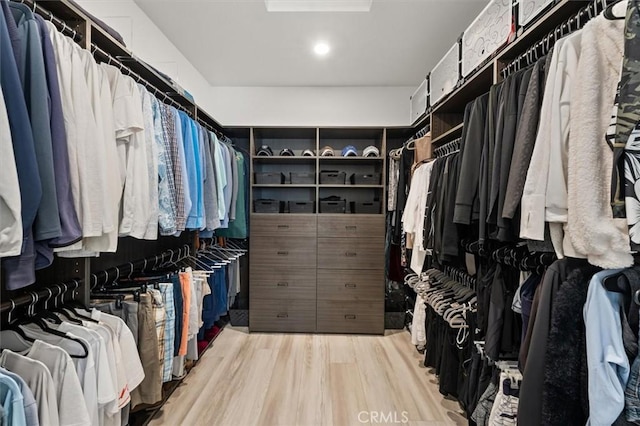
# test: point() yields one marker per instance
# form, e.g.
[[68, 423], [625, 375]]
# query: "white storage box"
[[529, 10], [490, 31], [445, 75], [420, 101]]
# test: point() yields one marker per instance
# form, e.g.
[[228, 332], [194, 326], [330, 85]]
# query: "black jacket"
[[565, 394]]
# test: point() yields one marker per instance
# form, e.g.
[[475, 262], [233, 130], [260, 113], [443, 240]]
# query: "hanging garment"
[[592, 228], [566, 356], [609, 367], [19, 271]]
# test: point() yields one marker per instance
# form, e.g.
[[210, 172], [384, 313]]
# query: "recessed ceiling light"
[[318, 5], [321, 48]]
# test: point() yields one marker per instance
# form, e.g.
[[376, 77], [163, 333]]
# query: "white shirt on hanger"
[[65, 378], [133, 365]]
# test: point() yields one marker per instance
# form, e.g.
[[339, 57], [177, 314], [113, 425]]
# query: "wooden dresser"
[[317, 272]]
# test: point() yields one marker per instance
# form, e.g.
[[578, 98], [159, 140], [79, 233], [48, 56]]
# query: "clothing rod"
[[420, 133], [42, 294], [111, 274], [118, 62], [98, 278], [48, 15], [571, 25], [126, 70]]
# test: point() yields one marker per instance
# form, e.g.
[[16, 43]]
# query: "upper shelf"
[[282, 158], [555, 16], [449, 136], [340, 158], [481, 80], [476, 85], [163, 83]]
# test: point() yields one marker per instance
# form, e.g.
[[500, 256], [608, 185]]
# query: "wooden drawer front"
[[350, 285], [350, 317], [282, 315], [350, 253], [362, 226], [284, 225], [283, 284], [289, 253]]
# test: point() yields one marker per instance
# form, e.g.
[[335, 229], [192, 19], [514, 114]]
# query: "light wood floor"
[[309, 380]]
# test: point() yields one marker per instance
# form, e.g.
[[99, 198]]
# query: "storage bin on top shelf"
[[487, 33], [445, 75], [529, 10]]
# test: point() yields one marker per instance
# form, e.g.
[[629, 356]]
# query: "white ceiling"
[[239, 43]]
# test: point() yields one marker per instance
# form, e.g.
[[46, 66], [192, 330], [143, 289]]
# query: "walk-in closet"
[[319, 212]]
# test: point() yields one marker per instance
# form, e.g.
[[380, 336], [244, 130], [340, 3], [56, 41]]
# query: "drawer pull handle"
[[283, 226], [351, 227], [349, 317], [283, 315], [350, 285], [283, 284], [351, 254], [283, 253]]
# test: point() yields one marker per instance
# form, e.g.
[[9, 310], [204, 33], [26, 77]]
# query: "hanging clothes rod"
[[112, 274], [56, 290], [126, 70], [420, 133], [543, 46], [48, 15], [158, 93], [98, 278], [448, 148]]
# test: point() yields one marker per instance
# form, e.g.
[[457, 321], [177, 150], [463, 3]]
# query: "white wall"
[[254, 106], [311, 106], [148, 42]]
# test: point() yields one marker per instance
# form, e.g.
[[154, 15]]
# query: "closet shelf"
[[350, 186], [113, 47], [553, 17], [449, 135], [283, 185], [475, 85], [285, 158], [349, 159]]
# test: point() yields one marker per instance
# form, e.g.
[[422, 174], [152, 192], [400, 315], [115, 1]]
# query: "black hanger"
[[45, 327], [62, 310], [46, 313], [13, 325], [73, 305], [617, 283], [608, 12]]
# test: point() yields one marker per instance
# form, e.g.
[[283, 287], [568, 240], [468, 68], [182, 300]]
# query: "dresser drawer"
[[350, 285], [283, 283], [282, 315], [363, 226], [289, 252], [350, 317], [283, 225], [351, 253]]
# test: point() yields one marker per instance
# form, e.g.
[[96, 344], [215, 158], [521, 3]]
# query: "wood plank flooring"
[[309, 380]]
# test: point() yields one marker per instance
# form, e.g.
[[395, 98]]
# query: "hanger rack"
[[420, 133], [126, 70], [447, 149], [543, 46], [98, 278], [48, 15], [112, 274], [460, 275], [56, 290]]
